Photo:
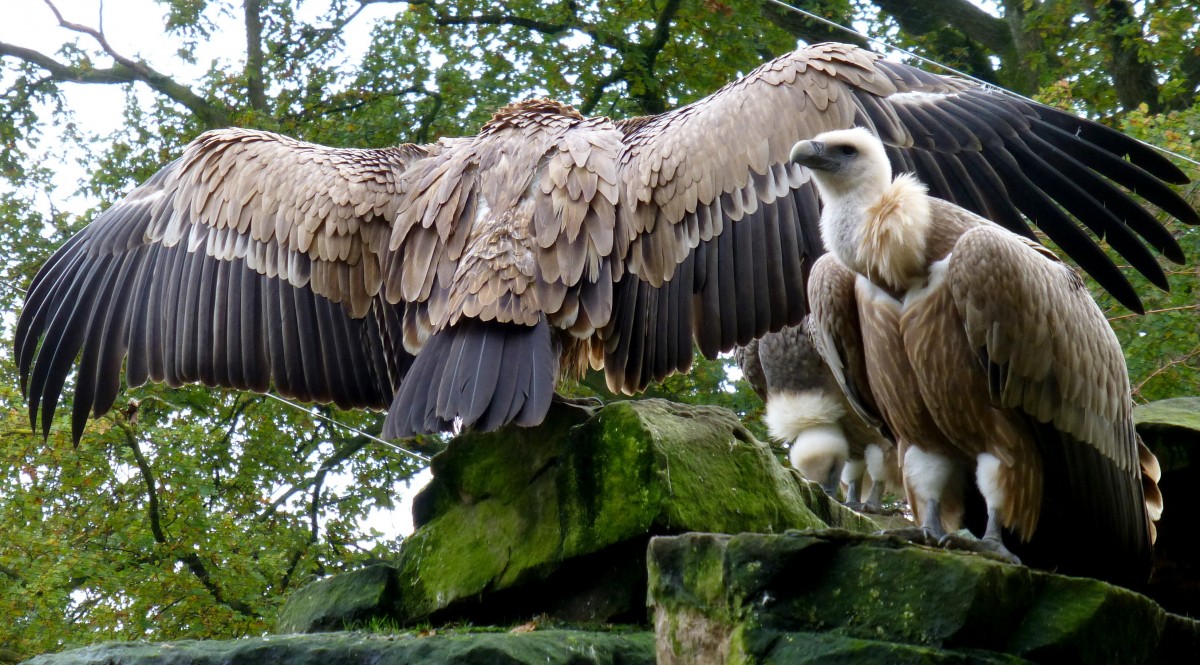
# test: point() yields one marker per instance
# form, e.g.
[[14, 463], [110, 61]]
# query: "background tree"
[[193, 512]]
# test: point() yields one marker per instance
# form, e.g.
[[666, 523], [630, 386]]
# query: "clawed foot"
[[992, 547], [865, 508], [585, 402], [913, 534], [588, 405]]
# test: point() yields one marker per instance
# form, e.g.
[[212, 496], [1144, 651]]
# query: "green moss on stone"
[[331, 603], [552, 647], [1077, 620], [513, 508], [1180, 412], [961, 607], [775, 648]]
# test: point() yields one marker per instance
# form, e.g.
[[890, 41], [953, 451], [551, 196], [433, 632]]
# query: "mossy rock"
[[756, 598], [1171, 429], [555, 519], [1181, 413], [339, 602], [551, 647]]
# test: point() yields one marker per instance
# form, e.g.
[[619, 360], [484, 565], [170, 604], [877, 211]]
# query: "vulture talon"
[[917, 535], [966, 542]]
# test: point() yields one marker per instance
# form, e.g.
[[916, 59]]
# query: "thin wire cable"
[[934, 63], [372, 437]]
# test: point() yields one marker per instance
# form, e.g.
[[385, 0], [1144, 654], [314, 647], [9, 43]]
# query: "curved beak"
[[812, 154]]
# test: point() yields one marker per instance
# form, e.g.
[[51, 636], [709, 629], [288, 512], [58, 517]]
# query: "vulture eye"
[[849, 150]]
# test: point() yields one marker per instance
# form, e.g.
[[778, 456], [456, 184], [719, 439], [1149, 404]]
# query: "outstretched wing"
[[1050, 353], [252, 259], [242, 261], [725, 229]]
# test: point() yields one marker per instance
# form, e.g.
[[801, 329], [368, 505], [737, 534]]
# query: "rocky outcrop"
[[554, 520], [1171, 429], [550, 647], [584, 519], [810, 597]]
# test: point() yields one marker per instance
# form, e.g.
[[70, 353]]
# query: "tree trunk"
[[255, 91]]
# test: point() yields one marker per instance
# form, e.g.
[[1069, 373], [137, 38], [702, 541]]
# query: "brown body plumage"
[[987, 357], [455, 281]]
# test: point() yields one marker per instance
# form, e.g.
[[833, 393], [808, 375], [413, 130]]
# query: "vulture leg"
[[876, 461], [852, 475], [832, 481], [930, 477], [987, 475], [874, 502]]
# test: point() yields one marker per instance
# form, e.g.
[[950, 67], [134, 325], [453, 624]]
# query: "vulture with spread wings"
[[457, 281]]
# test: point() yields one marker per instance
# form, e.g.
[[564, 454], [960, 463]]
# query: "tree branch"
[[662, 32], [192, 560], [339, 455], [11, 573], [922, 19], [1133, 79], [803, 27], [613, 41], [253, 72], [124, 70], [593, 97]]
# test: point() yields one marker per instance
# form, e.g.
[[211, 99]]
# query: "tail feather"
[[1094, 520], [1151, 474], [482, 373]]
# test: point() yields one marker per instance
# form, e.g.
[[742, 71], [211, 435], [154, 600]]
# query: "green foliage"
[[1163, 347]]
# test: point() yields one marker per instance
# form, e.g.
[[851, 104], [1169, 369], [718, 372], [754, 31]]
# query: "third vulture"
[[456, 282], [806, 409]]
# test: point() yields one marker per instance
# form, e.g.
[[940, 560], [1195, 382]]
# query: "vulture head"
[[845, 160], [877, 226]]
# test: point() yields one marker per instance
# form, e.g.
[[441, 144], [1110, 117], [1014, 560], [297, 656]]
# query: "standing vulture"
[[988, 359], [455, 282], [806, 408]]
